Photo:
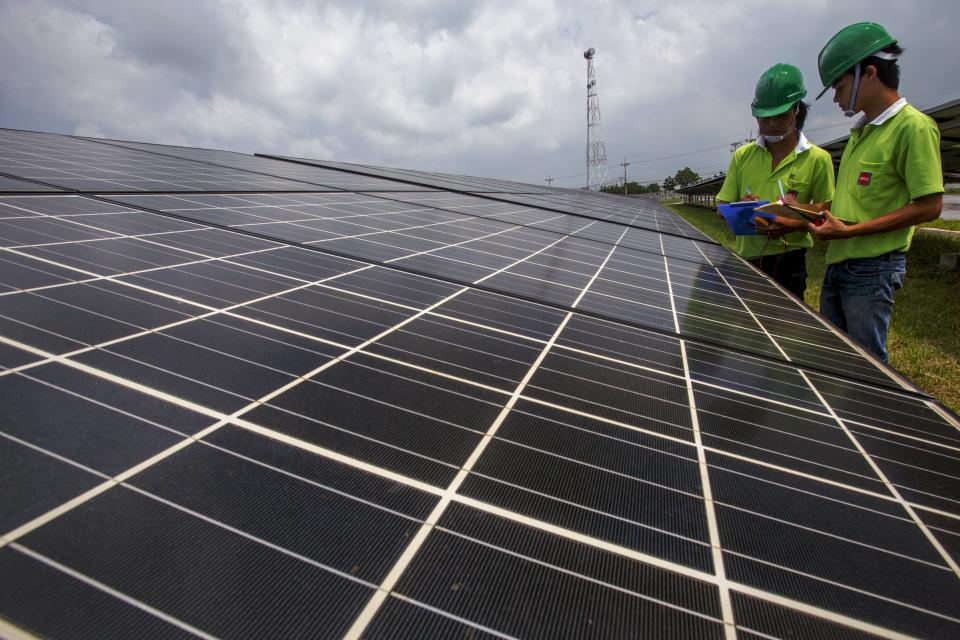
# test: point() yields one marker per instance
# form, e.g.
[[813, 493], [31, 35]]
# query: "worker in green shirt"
[[889, 181], [782, 162]]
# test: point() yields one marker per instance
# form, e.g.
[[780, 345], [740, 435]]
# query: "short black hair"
[[802, 109], [888, 71]]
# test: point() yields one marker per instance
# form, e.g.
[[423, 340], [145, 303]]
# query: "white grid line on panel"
[[857, 349], [630, 592], [435, 372], [379, 597], [113, 592], [890, 486], [9, 631], [559, 407], [449, 616], [726, 604], [390, 231], [222, 419], [858, 590], [406, 558]]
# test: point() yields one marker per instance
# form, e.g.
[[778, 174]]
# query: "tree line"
[[682, 178]]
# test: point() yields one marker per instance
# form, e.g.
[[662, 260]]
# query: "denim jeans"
[[857, 296]]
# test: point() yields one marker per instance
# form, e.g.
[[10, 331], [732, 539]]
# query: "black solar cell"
[[484, 417]]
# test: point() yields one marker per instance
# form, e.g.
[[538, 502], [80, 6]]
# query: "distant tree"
[[653, 187], [686, 176], [670, 183], [633, 188]]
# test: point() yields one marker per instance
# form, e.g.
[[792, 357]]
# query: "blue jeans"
[[857, 296]]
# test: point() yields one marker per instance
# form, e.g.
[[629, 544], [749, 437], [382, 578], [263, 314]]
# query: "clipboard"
[[804, 212], [740, 215], [807, 213]]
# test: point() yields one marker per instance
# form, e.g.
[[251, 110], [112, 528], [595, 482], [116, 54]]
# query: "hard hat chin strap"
[[850, 111]]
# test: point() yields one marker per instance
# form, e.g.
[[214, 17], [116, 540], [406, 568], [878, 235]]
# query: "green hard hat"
[[851, 45], [778, 89]]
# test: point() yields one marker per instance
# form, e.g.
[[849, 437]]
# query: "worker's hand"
[[831, 228], [749, 198], [779, 226], [790, 198]]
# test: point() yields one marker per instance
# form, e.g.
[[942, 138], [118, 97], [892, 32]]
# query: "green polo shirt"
[[886, 165], [807, 170]]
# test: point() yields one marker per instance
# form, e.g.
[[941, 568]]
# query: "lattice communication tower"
[[596, 150]]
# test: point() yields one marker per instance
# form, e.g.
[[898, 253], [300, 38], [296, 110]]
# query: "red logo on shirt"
[[864, 179]]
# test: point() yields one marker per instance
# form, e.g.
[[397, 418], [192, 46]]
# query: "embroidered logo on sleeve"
[[864, 179]]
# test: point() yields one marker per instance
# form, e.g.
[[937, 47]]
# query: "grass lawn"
[[953, 225], [924, 338]]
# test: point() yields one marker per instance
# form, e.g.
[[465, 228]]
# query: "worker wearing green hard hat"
[[780, 164], [779, 88], [848, 49], [889, 180]]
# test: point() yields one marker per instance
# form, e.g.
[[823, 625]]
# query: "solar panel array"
[[245, 396]]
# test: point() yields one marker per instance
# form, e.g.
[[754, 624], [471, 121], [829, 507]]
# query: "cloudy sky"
[[491, 88]]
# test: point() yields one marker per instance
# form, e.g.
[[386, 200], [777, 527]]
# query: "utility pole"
[[549, 180], [596, 150], [625, 164], [739, 143]]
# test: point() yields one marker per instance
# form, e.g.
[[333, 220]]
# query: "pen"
[[782, 196]]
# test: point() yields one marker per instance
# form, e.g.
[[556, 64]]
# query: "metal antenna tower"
[[596, 150]]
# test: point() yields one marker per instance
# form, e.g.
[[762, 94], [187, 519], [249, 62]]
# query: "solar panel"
[[81, 165], [13, 185], [423, 178], [316, 176], [641, 213], [650, 217], [651, 280], [216, 431], [532, 216]]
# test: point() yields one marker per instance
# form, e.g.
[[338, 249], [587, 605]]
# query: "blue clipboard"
[[739, 215]]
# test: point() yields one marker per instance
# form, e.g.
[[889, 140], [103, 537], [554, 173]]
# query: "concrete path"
[[951, 207]]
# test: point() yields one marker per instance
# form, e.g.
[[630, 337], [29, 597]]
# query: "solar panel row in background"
[[89, 166], [317, 176], [644, 278], [289, 427], [12, 185], [643, 213], [456, 183]]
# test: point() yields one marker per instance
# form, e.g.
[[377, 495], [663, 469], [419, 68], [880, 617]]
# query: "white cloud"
[[488, 88]]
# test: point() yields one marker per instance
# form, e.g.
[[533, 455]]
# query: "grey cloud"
[[205, 43], [425, 16], [490, 88], [503, 110]]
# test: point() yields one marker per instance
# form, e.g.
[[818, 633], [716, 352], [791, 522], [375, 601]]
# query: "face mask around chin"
[[783, 135]]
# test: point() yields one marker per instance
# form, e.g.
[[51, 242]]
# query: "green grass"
[[924, 337], [707, 220], [953, 225]]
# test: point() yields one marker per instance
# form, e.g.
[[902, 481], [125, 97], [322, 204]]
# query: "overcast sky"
[[485, 88]]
